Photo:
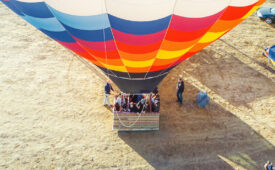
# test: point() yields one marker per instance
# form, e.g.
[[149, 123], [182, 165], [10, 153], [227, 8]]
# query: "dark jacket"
[[108, 87], [180, 86], [133, 108], [156, 90]]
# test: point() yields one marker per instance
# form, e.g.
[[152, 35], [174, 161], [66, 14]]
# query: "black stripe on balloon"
[[153, 74], [157, 73], [114, 73], [137, 75], [106, 72], [134, 86], [121, 74]]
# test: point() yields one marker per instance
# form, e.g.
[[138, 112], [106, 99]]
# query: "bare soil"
[[51, 112]]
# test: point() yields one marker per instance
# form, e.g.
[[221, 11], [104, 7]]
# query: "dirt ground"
[[51, 112]]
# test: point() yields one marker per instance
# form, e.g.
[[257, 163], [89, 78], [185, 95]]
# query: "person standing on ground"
[[268, 166], [108, 87], [180, 89]]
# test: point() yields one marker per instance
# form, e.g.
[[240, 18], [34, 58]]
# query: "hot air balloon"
[[134, 42], [270, 54]]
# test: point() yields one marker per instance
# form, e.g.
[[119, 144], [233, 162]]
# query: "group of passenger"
[[138, 103]]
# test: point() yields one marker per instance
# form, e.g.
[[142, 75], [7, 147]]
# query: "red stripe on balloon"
[[182, 36], [102, 54], [158, 68], [99, 46], [184, 57], [72, 46], [88, 57], [138, 49], [191, 24], [233, 12], [138, 39]]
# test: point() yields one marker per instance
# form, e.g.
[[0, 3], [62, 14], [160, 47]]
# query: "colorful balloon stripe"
[[221, 27], [36, 9], [96, 22], [62, 36], [138, 40], [49, 24], [139, 27], [192, 24], [13, 8], [91, 35], [52, 27], [98, 46]]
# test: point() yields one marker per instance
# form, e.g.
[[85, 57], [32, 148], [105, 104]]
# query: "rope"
[[128, 126], [105, 48], [173, 11], [105, 6], [91, 67], [106, 57]]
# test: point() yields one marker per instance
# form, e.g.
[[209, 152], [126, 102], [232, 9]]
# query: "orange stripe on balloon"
[[199, 46], [113, 57], [85, 55], [186, 56], [260, 2], [233, 13], [114, 62], [158, 68], [223, 25], [174, 45], [138, 57], [137, 70], [103, 54], [89, 57], [231, 18], [161, 62]]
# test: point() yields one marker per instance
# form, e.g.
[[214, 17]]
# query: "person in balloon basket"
[[155, 91], [108, 87], [133, 108], [180, 89]]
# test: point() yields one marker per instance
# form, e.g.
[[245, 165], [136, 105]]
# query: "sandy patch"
[[51, 111]]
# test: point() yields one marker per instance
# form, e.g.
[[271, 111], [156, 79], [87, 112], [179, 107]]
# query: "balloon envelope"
[[271, 53], [135, 42]]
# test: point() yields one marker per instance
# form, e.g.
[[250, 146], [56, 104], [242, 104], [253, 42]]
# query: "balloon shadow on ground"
[[199, 138], [229, 77], [267, 67]]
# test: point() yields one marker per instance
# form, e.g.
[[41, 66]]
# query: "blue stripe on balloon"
[[90, 35], [94, 22], [49, 24], [59, 36], [10, 5], [36, 9], [139, 27], [272, 52]]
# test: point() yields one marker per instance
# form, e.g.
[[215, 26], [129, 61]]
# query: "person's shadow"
[[199, 138]]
